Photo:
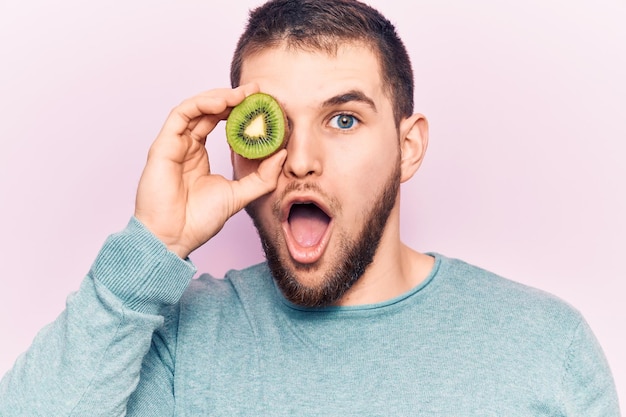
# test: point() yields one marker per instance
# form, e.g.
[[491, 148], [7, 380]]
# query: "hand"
[[178, 199]]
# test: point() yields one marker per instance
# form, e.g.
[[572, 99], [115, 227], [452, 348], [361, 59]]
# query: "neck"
[[395, 270]]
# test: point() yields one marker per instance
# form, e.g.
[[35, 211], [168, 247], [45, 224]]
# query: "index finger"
[[210, 103]]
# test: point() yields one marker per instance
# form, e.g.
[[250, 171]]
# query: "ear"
[[413, 144]]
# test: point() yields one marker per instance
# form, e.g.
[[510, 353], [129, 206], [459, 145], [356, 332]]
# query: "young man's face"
[[320, 228]]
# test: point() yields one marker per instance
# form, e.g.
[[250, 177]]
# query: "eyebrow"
[[350, 96]]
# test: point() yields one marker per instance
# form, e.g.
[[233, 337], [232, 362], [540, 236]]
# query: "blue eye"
[[343, 121]]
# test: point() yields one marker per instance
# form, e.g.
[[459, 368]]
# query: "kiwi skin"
[[268, 132]]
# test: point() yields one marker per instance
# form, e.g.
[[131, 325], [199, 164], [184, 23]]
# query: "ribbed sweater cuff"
[[139, 269]]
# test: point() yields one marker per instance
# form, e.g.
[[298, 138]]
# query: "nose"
[[304, 154]]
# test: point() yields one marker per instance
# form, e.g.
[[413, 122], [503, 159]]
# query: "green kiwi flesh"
[[255, 127]]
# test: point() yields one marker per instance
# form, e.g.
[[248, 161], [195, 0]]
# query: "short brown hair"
[[323, 25]]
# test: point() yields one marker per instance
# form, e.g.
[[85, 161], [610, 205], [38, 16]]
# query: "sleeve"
[[588, 389], [88, 361]]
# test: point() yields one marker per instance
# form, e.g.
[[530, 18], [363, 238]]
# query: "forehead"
[[298, 75]]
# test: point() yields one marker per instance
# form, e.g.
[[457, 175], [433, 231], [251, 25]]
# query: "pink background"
[[524, 174]]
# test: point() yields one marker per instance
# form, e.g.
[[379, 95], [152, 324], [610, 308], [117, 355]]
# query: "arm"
[[90, 357], [588, 387], [89, 361]]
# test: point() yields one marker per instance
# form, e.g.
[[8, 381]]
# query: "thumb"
[[258, 183]]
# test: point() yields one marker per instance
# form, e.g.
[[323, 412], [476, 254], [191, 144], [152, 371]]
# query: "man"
[[343, 319]]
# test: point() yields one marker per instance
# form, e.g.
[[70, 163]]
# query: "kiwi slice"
[[255, 127]]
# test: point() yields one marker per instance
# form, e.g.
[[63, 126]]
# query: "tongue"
[[308, 224]]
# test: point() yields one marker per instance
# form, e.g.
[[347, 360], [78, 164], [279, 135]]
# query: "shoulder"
[[235, 288], [543, 338], [231, 306], [489, 294], [527, 324]]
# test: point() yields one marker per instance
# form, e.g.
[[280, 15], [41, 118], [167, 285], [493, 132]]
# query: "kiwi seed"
[[255, 127]]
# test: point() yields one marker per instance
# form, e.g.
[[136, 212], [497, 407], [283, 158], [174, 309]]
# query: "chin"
[[343, 259]]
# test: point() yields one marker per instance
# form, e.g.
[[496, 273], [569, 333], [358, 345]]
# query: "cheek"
[[368, 167], [242, 166]]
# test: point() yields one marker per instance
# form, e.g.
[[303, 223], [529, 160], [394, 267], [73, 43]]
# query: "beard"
[[351, 259]]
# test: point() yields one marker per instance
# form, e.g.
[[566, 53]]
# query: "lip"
[[300, 254]]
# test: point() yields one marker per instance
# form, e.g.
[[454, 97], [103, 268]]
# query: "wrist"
[[140, 270]]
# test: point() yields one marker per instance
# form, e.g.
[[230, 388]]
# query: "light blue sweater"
[[141, 338]]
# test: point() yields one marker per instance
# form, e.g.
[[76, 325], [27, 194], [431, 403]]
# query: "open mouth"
[[307, 230], [308, 224]]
